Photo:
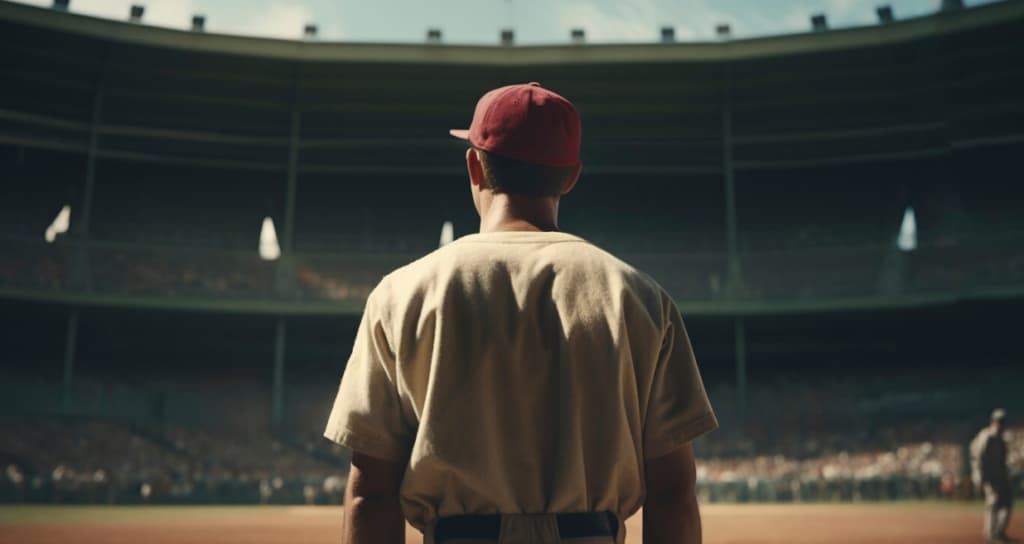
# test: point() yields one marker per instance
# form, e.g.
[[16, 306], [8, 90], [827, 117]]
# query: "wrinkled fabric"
[[520, 373]]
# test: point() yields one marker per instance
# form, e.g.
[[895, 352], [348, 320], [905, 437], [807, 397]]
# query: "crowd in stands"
[[913, 471], [155, 271], [335, 281], [49, 459], [34, 265], [852, 446], [781, 273]]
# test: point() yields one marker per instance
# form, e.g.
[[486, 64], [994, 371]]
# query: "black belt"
[[488, 526]]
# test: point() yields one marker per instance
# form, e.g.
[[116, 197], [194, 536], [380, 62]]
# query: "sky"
[[480, 21]]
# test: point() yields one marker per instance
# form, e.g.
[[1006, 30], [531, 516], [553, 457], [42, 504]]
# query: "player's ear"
[[571, 182], [474, 168]]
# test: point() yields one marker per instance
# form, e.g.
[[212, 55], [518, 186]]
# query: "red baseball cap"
[[528, 123]]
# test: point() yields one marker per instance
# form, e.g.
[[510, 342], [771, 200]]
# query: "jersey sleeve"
[[678, 409], [367, 412]]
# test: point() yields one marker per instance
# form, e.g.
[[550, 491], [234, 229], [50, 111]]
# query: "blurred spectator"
[[86, 461], [807, 262]]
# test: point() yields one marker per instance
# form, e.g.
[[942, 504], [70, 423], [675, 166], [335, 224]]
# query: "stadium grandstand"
[[190, 224]]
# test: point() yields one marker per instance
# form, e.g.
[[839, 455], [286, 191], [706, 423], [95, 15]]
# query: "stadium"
[[190, 224]]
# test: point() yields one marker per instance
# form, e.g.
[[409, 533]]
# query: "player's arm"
[[678, 411], [372, 512], [671, 514], [367, 417]]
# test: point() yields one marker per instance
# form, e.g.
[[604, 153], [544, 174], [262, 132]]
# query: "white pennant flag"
[[447, 233], [269, 248]]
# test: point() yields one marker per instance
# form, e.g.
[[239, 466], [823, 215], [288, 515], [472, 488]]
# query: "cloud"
[[641, 20], [696, 19], [478, 21], [849, 12], [110, 9], [169, 13], [274, 20], [626, 21]]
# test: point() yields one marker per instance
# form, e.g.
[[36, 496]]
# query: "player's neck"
[[502, 212]]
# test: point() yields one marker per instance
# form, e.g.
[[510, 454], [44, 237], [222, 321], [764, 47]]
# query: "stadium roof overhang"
[[130, 33]]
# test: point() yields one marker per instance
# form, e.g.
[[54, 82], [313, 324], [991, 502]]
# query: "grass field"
[[957, 523]]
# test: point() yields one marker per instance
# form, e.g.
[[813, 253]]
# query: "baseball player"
[[990, 472], [520, 385]]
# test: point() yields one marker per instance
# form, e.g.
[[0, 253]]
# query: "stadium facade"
[[763, 182]]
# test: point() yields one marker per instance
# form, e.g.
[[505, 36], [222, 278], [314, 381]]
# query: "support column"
[[734, 276], [84, 224], [82, 268], [70, 349], [288, 233], [286, 236], [741, 371], [277, 387]]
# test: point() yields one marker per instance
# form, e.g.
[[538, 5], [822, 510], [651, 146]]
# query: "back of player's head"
[[521, 178], [527, 139]]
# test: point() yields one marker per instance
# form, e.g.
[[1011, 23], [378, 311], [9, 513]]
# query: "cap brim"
[[462, 134]]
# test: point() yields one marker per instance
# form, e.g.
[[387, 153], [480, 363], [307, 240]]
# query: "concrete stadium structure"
[[759, 180]]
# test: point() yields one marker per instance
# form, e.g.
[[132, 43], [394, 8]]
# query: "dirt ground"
[[845, 524]]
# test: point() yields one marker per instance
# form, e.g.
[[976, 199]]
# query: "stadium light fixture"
[[61, 5], [578, 36], [135, 14], [309, 31], [269, 249], [885, 15], [952, 5], [447, 234], [60, 224], [819, 23], [508, 37], [198, 23], [433, 35], [723, 31], [668, 34], [907, 238]]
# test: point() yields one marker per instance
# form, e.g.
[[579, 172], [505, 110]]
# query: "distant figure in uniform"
[[990, 472], [520, 384]]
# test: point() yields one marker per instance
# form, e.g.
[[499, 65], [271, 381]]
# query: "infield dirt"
[[845, 524]]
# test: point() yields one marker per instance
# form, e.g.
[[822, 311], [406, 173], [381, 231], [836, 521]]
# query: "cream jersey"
[[520, 372]]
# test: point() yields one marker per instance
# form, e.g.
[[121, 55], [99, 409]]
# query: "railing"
[[170, 272]]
